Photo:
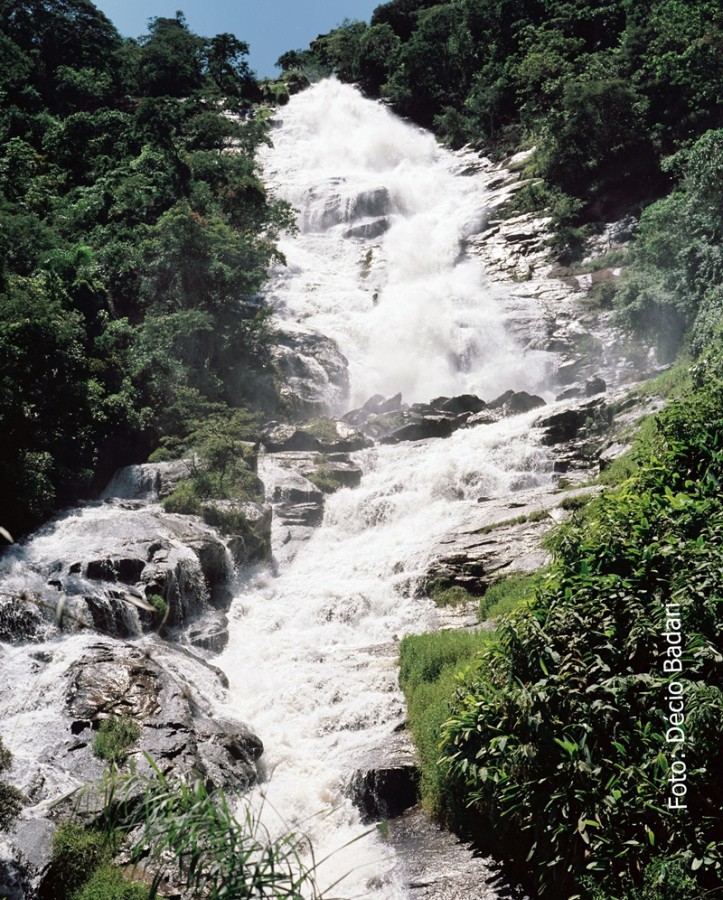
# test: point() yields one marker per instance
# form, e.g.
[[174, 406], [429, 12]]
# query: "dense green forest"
[[132, 245]]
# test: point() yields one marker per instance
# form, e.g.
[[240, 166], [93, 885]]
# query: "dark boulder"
[[512, 403], [426, 427], [384, 793]]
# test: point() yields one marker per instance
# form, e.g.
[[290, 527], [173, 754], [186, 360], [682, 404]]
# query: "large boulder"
[[513, 403], [102, 562], [323, 435], [168, 692], [311, 374], [147, 481]]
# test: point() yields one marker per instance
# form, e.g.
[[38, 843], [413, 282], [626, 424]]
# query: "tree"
[[171, 59]]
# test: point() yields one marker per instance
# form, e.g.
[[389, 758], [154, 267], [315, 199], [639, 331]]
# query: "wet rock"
[[377, 404], [595, 385], [562, 426], [177, 730], [324, 208], [112, 554], [437, 865], [370, 229], [24, 856], [125, 569], [247, 527], [150, 481], [512, 403], [311, 372], [424, 427], [21, 621], [464, 403], [569, 371], [384, 793], [500, 536], [391, 421], [168, 691], [323, 436]]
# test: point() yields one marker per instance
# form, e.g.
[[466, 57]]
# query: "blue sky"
[[270, 27]]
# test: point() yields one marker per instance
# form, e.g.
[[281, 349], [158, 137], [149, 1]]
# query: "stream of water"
[[378, 266]]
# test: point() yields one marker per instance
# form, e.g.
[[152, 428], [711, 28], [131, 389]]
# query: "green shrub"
[[509, 594], [160, 606], [184, 499], [450, 596], [327, 480], [114, 737], [107, 883], [11, 800], [575, 502], [322, 428], [557, 740], [76, 854]]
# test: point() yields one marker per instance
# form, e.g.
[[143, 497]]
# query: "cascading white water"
[[378, 267], [407, 309]]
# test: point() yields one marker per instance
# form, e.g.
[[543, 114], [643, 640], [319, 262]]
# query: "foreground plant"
[[178, 828]]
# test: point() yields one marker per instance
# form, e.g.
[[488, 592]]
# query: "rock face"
[[386, 781], [436, 865], [296, 486], [503, 535], [138, 683], [321, 435], [168, 691], [311, 372], [149, 481], [103, 557], [103, 561]]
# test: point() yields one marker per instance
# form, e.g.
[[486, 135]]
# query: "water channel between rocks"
[[378, 267]]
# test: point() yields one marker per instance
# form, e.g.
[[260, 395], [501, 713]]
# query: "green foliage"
[[77, 853], [81, 868], [326, 479], [116, 734], [215, 852], [676, 282], [223, 471], [509, 594], [450, 596], [11, 800], [322, 428], [558, 738], [132, 248], [429, 664], [107, 883], [159, 604]]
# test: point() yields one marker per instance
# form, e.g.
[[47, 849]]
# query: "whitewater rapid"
[[378, 265]]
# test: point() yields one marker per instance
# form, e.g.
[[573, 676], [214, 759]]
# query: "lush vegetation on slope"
[[584, 744], [132, 245], [589, 740]]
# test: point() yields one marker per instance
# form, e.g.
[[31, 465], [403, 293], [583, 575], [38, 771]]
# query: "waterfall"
[[378, 266], [403, 304]]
